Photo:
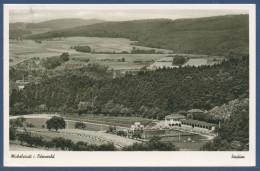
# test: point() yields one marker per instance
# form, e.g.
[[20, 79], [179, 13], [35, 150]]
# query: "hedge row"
[[61, 143]]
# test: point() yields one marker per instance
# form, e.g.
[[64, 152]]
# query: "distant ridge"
[[50, 25], [220, 35]]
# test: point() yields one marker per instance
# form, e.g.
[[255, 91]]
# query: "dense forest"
[[151, 94], [233, 134], [221, 35]]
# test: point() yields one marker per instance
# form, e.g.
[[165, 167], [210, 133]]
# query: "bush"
[[37, 141], [51, 63], [29, 125], [85, 49], [65, 56], [80, 146], [136, 134], [24, 137], [80, 125], [62, 143], [48, 144], [107, 147], [178, 60], [18, 122], [54, 62], [111, 129], [122, 133]]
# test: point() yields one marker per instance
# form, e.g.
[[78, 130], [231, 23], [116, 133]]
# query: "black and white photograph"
[[166, 80]]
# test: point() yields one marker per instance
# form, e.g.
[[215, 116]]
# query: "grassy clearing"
[[109, 120], [38, 122], [194, 145], [49, 135]]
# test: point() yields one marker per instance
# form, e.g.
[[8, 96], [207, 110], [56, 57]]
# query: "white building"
[[173, 120], [137, 127], [198, 126], [20, 87]]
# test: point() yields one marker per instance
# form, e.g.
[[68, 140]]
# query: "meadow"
[[38, 122], [26, 49], [124, 122]]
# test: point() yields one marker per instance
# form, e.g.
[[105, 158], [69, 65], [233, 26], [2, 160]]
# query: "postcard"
[[129, 85]]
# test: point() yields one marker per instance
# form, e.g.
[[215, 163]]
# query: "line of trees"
[[145, 51], [84, 49], [26, 138]]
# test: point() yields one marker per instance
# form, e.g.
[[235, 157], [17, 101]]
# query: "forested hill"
[[152, 94], [221, 35], [19, 29]]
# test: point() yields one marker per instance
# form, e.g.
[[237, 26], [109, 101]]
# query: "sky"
[[31, 15]]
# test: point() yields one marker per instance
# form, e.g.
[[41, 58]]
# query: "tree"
[[56, 123], [65, 56], [143, 111], [18, 109], [62, 143], [84, 107], [24, 137], [12, 133], [108, 107], [178, 60], [18, 122]]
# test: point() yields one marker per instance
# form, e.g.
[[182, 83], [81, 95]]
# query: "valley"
[[130, 85]]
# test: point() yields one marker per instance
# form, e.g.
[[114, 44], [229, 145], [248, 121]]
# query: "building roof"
[[198, 122], [194, 111], [175, 116]]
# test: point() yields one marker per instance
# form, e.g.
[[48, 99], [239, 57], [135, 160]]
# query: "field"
[[108, 120], [27, 49], [194, 144], [195, 60], [92, 122]]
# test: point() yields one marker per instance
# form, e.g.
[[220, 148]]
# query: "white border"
[[148, 159]]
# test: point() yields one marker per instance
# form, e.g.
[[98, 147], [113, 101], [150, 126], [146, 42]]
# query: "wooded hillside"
[[151, 94], [221, 35]]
